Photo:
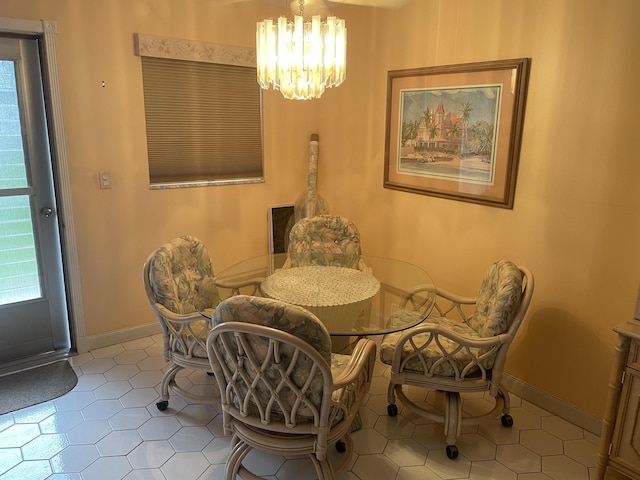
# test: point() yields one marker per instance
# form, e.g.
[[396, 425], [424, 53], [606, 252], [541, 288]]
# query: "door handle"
[[46, 212]]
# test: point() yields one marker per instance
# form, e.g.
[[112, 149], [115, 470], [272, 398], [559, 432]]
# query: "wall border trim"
[[553, 404], [86, 344]]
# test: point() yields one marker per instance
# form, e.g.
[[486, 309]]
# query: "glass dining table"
[[383, 295]]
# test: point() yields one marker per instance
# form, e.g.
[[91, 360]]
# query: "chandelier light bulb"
[[301, 59]]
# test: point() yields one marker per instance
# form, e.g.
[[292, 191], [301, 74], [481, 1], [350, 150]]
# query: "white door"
[[33, 308]]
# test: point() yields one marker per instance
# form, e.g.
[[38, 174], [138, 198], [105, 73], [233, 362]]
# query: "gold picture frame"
[[455, 131]]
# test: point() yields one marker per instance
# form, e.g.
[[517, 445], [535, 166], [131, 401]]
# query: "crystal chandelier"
[[301, 58]]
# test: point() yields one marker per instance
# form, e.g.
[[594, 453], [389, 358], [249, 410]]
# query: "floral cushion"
[[181, 276], [498, 298], [324, 240], [297, 321]]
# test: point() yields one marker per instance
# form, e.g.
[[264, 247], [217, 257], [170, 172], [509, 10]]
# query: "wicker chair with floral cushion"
[[462, 348], [179, 283], [325, 240], [282, 390]]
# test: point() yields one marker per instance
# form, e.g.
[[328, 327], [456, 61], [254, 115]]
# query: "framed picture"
[[280, 219], [454, 131]]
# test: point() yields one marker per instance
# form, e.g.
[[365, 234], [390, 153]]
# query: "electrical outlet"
[[104, 179]]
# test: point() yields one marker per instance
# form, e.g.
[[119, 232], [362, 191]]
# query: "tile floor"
[[108, 427]]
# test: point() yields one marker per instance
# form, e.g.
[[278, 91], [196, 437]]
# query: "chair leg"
[[505, 418], [168, 377], [507, 400], [392, 408], [452, 422], [323, 468], [357, 422], [346, 457], [234, 467]]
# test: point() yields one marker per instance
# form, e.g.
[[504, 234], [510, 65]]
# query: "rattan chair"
[[179, 283], [460, 349], [282, 390]]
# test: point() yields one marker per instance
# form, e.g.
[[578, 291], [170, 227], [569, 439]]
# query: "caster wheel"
[[341, 446], [162, 405], [392, 410], [452, 451], [507, 420]]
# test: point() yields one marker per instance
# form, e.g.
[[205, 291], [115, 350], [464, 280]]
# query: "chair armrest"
[[454, 297], [463, 340], [362, 361], [167, 314], [453, 303], [420, 303], [349, 388], [236, 286], [176, 328]]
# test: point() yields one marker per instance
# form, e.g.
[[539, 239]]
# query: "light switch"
[[104, 179]]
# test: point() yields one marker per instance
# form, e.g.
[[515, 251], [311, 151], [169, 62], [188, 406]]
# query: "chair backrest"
[[498, 299], [514, 321], [272, 362], [324, 240], [180, 276]]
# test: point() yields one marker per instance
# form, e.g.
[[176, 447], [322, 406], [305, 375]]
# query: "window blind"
[[203, 122]]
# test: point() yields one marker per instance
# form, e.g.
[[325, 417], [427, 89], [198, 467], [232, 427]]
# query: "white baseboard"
[[85, 343], [553, 404]]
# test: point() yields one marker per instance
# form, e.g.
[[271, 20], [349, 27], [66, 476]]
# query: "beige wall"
[[575, 219], [117, 228]]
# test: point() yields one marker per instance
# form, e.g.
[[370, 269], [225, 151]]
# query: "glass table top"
[[383, 296]]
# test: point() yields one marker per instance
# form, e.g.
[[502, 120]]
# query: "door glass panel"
[[19, 276], [13, 172]]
